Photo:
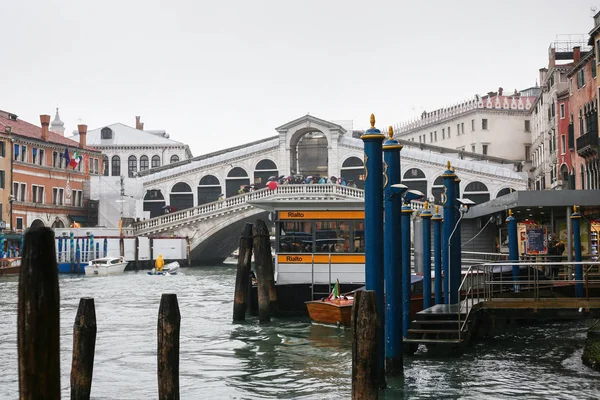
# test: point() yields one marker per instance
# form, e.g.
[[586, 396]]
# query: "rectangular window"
[[594, 68], [15, 190], [570, 85], [41, 156], [23, 153], [527, 125], [527, 152], [34, 155], [97, 163], [484, 149], [472, 125], [37, 194], [2, 179], [443, 133], [19, 223], [431, 137], [73, 197], [484, 124], [22, 192], [581, 78], [448, 132], [435, 136], [55, 196], [61, 196], [2, 148], [472, 148], [562, 111], [420, 141], [56, 159], [563, 143]]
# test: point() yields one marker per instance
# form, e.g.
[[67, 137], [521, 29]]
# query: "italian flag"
[[74, 160], [335, 293]]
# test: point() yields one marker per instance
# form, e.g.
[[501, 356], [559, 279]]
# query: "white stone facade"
[[495, 125]]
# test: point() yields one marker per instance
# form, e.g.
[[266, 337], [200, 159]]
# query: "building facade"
[[496, 125], [49, 175], [127, 151], [5, 176]]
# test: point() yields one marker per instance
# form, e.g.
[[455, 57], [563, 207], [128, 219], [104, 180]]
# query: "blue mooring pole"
[[426, 216], [437, 255], [513, 247], [455, 246], [373, 139], [449, 205], [576, 219], [406, 275], [392, 252]]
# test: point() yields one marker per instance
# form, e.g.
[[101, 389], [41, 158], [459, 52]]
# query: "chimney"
[[576, 54], [543, 75], [45, 120], [552, 58], [138, 124], [82, 135]]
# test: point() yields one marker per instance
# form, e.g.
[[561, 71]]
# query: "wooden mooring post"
[[84, 344], [169, 321], [365, 346], [38, 318], [267, 296], [242, 279]]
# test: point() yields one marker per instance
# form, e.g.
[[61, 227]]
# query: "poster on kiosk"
[[533, 238]]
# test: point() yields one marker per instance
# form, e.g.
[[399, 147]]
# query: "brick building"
[[583, 110], [45, 190], [4, 177]]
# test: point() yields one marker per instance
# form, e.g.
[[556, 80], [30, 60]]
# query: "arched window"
[[181, 196], [174, 158], [144, 163], [236, 180], [209, 189], [264, 170], [504, 192], [106, 133], [131, 166], [105, 169], [415, 179], [116, 166], [154, 201], [353, 171], [155, 161], [477, 192]]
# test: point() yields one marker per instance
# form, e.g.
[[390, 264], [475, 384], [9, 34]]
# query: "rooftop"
[[28, 130], [124, 135]]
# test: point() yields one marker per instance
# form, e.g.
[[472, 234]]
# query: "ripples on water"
[[289, 358]]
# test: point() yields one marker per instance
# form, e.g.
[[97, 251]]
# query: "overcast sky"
[[220, 73]]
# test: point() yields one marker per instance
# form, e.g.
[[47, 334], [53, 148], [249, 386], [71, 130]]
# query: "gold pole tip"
[[426, 205], [437, 209], [448, 164], [391, 132], [372, 121], [574, 209], [510, 213]]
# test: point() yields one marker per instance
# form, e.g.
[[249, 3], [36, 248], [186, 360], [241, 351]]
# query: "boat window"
[[295, 237], [358, 237], [332, 237]]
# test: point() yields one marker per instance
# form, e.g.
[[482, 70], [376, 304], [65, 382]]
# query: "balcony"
[[587, 145]]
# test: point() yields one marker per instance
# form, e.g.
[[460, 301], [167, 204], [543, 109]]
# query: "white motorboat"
[[169, 269], [106, 266]]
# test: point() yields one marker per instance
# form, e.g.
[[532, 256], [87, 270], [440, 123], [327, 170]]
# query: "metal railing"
[[485, 281]]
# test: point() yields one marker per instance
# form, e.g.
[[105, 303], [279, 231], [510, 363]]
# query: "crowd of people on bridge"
[[298, 180]]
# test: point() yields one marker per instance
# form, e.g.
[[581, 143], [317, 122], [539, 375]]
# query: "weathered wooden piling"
[[365, 346], [267, 296], [168, 347], [84, 344], [242, 278], [38, 318]]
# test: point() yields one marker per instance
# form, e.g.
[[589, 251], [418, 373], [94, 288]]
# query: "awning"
[[79, 218]]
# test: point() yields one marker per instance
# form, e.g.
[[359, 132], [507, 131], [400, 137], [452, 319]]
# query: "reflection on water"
[[287, 358]]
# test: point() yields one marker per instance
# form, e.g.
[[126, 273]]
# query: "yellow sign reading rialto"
[[359, 214]]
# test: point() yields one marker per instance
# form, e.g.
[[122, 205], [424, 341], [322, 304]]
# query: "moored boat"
[[106, 266], [10, 266], [337, 309]]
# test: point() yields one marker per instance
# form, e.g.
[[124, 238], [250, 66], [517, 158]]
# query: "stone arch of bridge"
[[309, 151]]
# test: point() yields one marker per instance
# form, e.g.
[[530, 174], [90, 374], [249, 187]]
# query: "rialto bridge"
[[307, 146]]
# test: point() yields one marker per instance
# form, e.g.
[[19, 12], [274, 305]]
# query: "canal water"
[[286, 359]]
